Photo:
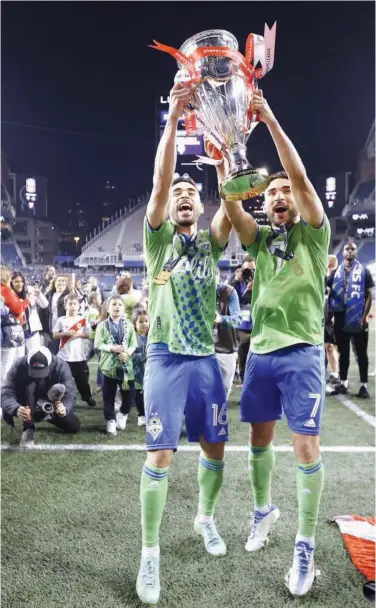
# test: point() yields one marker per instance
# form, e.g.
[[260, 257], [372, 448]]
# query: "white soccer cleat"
[[121, 421], [111, 428], [141, 421], [148, 586], [213, 542], [261, 526], [27, 439], [301, 576]]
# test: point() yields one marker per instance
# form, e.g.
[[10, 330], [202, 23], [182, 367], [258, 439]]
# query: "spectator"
[[145, 294], [27, 385], [350, 300], [92, 287], [141, 325], [4, 314], [13, 345], [130, 296], [116, 339], [332, 356], [71, 330], [226, 338], [55, 295], [32, 324], [243, 283], [49, 274], [93, 317]]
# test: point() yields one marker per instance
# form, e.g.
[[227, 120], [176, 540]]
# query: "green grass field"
[[71, 520]]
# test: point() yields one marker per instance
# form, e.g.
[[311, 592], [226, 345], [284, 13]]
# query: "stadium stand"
[[122, 240], [366, 252], [359, 213], [11, 256]]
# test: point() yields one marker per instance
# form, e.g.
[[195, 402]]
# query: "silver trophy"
[[223, 82]]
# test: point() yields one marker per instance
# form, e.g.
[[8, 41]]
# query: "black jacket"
[[15, 390]]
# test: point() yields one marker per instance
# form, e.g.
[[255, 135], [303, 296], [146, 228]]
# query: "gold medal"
[[296, 266], [162, 277]]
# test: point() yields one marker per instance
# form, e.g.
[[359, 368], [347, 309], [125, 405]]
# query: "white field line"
[[368, 418], [105, 447]]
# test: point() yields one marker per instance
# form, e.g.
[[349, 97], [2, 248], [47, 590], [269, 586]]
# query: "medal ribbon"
[[284, 255], [171, 262]]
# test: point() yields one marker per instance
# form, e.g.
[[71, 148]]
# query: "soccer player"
[[182, 374], [285, 370]]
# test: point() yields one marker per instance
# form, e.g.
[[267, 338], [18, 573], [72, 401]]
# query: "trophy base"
[[244, 184]]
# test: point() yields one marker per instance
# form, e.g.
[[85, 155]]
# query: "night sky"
[[86, 67]]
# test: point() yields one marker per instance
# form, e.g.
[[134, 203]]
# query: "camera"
[[248, 274], [45, 407]]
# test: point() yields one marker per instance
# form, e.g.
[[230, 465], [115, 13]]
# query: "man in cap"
[[33, 381]]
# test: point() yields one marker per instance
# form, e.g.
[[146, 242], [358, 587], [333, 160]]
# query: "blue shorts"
[[290, 380], [178, 385]]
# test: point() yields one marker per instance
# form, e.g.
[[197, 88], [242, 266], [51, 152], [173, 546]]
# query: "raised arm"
[[221, 226], [243, 222], [165, 160], [305, 196]]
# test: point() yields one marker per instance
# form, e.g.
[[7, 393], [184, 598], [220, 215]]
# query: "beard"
[[184, 222]]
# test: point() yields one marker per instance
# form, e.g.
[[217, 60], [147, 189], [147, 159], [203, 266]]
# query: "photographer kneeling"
[[40, 387]]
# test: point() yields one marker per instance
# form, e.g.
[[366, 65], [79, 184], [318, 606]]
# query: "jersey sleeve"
[[318, 237], [155, 243], [216, 250]]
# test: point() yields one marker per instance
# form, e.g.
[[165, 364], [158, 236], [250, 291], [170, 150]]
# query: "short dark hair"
[[114, 297], [278, 175], [188, 180], [248, 258], [350, 242]]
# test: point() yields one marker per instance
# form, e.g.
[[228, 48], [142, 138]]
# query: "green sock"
[[153, 494], [210, 479], [310, 482], [261, 463]]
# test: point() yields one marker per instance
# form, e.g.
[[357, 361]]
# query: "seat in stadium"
[[10, 256], [366, 254]]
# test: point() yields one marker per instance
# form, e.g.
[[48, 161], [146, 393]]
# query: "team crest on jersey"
[[205, 245], [154, 426]]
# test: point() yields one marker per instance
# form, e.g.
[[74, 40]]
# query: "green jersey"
[[288, 296], [182, 311]]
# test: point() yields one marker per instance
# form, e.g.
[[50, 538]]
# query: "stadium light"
[[263, 171]]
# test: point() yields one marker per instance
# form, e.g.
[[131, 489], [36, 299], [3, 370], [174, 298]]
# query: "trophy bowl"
[[221, 96]]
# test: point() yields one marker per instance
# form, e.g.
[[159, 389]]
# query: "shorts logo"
[[310, 423], [222, 432], [154, 426]]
